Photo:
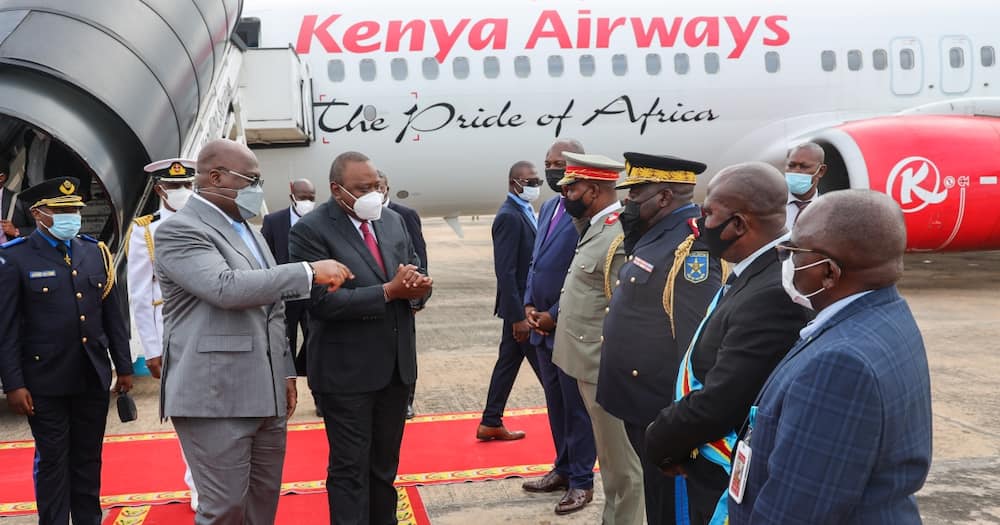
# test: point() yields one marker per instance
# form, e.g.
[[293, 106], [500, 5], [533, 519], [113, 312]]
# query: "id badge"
[[738, 477]]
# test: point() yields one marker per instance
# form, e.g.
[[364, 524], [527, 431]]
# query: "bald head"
[[862, 230], [752, 187], [225, 153], [814, 152]]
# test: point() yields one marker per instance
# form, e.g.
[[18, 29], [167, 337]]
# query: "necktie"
[[556, 215], [372, 245], [801, 205], [250, 242], [65, 253], [729, 282]]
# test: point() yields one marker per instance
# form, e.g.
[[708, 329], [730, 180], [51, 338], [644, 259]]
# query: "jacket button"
[[569, 270], [45, 289], [79, 295], [631, 257], [607, 309], [84, 340], [83, 318], [562, 291], [602, 338], [617, 282], [582, 266], [37, 358], [631, 279], [576, 250], [635, 373], [74, 273], [581, 338], [100, 285]]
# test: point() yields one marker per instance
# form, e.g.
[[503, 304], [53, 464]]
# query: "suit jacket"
[[414, 228], [21, 217], [550, 259], [751, 329], [275, 231], [357, 342], [513, 240], [843, 426], [225, 353], [585, 298], [54, 323]]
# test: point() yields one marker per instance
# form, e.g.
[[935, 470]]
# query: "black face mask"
[[631, 225], [712, 237], [575, 208], [553, 176]]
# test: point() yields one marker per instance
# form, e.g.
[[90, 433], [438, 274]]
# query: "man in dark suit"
[[60, 316], [362, 353], [513, 236], [841, 431], [415, 229], [15, 219], [275, 231], [749, 326]]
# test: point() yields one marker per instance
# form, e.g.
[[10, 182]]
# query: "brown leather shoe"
[[500, 433], [574, 500], [550, 482]]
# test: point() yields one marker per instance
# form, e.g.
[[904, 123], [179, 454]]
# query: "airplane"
[[445, 95]]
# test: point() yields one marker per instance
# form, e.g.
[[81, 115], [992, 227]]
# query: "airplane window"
[[989, 56], [619, 65], [653, 64], [335, 70], [555, 66], [367, 69], [906, 59], [772, 61], [460, 68], [682, 64], [587, 65], [854, 60], [398, 68], [522, 66], [828, 60], [491, 67], [880, 59], [956, 56], [711, 63], [430, 67]]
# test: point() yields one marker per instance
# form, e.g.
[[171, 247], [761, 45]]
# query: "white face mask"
[[367, 207], [303, 207], [788, 270], [529, 193], [177, 197]]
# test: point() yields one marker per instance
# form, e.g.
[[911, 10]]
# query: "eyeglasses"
[[256, 182], [786, 249], [532, 183]]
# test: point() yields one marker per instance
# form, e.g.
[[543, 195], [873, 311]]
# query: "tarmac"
[[953, 296]]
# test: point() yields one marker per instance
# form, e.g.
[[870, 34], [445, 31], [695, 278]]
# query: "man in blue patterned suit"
[[841, 431]]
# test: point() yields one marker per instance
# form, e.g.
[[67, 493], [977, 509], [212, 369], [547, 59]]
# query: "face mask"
[[529, 193], [798, 183], [65, 226], [575, 208], [553, 176], [249, 200], [712, 237], [367, 207], [303, 207], [177, 198], [631, 224], [788, 270]]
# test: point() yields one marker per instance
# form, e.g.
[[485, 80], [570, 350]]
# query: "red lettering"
[[446, 40], [740, 35], [657, 28], [397, 30], [781, 36], [358, 32], [497, 35], [558, 30], [308, 29], [583, 30], [604, 29], [709, 31]]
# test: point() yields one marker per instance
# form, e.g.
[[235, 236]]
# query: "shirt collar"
[[827, 313], [613, 207], [741, 266], [52, 242], [793, 198], [521, 202]]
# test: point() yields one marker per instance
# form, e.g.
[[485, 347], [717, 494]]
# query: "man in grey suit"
[[228, 376]]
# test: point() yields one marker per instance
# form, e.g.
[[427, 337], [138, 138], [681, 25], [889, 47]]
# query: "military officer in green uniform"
[[590, 198], [658, 298]]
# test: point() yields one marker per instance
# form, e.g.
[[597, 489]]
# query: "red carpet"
[[147, 468]]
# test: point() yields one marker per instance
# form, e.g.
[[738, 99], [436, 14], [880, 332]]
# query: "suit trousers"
[[659, 487], [571, 428], [511, 354], [236, 463], [365, 431], [621, 471], [69, 435]]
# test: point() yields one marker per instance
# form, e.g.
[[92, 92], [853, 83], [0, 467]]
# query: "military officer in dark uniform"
[[60, 316], [659, 298]]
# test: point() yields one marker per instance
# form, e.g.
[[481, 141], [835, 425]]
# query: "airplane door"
[[956, 65], [907, 66]]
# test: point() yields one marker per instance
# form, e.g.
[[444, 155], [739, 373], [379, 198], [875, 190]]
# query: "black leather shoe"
[[409, 412], [550, 482]]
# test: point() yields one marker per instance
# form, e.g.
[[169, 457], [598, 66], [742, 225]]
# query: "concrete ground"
[[954, 297]]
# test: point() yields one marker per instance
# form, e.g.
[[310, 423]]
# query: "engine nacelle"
[[944, 171]]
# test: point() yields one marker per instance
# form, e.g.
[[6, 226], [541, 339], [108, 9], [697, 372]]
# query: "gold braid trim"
[[143, 221], [615, 244], [680, 254], [109, 267]]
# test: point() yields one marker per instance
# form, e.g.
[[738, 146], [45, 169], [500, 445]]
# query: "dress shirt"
[[827, 313], [357, 226], [525, 207], [792, 209], [741, 266], [613, 207]]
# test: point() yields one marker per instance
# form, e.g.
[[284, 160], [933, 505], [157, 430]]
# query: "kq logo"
[[915, 183]]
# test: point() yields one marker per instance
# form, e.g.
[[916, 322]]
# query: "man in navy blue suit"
[[841, 431], [514, 230]]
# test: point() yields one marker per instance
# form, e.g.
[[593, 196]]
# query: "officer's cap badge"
[[67, 188]]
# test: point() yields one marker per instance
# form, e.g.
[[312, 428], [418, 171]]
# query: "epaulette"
[[88, 238], [13, 242], [146, 220], [612, 218], [693, 224]]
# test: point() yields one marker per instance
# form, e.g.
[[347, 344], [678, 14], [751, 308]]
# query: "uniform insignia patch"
[[696, 267], [612, 218], [67, 188], [643, 263], [41, 274]]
